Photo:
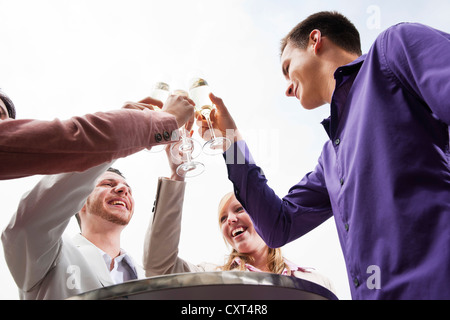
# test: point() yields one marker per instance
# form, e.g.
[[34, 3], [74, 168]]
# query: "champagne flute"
[[199, 91], [160, 91], [184, 150]]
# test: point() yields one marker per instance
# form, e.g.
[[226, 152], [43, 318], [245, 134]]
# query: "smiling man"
[[46, 265], [107, 211], [384, 173]]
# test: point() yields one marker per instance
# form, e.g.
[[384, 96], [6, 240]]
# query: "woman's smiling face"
[[237, 227]]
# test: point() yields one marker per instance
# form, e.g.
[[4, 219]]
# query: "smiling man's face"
[[111, 199], [301, 68]]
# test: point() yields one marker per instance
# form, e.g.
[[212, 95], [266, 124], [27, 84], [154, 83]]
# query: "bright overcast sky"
[[60, 58]]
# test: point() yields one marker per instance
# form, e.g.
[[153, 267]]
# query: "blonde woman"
[[249, 252]]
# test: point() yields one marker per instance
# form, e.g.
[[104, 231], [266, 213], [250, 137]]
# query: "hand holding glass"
[[184, 149], [199, 92]]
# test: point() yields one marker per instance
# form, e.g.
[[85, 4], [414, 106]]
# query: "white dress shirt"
[[123, 269]]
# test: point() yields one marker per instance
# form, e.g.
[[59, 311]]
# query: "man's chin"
[[118, 220], [311, 105]]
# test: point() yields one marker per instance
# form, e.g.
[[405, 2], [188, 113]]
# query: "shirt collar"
[[350, 68], [341, 75], [123, 256]]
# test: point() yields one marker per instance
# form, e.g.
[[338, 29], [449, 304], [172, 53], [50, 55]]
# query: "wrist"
[[168, 112], [233, 134], [237, 136], [176, 177]]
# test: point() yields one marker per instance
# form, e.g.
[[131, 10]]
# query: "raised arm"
[[29, 147], [32, 240], [277, 220], [163, 234]]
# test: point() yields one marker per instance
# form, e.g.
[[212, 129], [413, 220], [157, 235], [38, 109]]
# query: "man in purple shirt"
[[384, 174]]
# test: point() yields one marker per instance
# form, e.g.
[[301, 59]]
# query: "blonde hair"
[[275, 259]]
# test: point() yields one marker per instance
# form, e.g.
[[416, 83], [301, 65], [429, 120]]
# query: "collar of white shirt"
[[123, 269]]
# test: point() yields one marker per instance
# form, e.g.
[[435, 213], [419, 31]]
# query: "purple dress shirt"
[[384, 174]]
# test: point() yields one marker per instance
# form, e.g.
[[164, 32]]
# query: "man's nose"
[[121, 188], [290, 89]]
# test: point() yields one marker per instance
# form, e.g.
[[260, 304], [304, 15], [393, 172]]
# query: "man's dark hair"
[[116, 171], [332, 25], [110, 169]]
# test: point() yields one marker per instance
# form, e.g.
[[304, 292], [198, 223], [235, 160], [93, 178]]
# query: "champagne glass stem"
[[185, 142], [206, 114], [188, 167]]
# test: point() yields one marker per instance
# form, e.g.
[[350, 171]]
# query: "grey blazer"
[[44, 263]]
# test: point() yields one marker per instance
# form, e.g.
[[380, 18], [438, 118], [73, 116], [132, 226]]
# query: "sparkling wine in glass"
[[160, 91], [199, 91]]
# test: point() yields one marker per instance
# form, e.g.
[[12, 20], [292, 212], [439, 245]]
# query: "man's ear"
[[77, 215], [315, 40]]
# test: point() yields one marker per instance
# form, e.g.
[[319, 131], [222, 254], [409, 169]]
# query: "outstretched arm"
[[29, 147], [32, 240], [277, 220], [163, 234]]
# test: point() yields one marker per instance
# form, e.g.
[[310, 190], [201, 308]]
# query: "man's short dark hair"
[[332, 25], [116, 171], [110, 169]]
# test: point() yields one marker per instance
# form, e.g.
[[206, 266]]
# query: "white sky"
[[60, 58]]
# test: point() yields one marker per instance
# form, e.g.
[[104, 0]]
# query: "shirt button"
[[174, 135], [337, 141], [356, 282], [166, 136], [341, 181], [347, 227], [158, 137]]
